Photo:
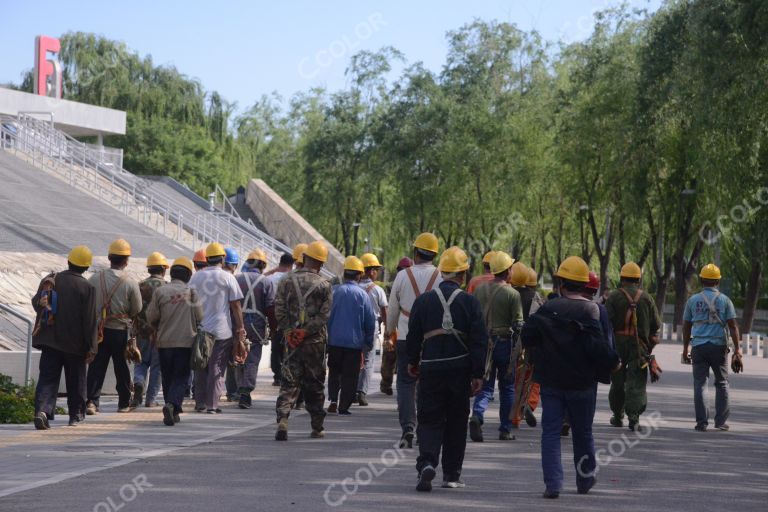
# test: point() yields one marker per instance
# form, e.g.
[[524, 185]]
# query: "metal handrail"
[[30, 327]]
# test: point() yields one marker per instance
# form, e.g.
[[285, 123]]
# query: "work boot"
[[245, 401], [456, 483], [282, 430], [426, 475], [700, 428], [617, 421], [386, 390], [138, 395], [475, 429], [406, 441], [276, 381], [125, 409], [333, 408], [361, 401], [73, 422], [724, 427], [565, 430], [41, 421], [634, 426], [506, 436], [91, 409], [176, 417], [317, 434], [551, 495], [168, 415], [584, 488], [530, 419]]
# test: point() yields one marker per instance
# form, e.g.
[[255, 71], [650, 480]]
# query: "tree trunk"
[[753, 292]]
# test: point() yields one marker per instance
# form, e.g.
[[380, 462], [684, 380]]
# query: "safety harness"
[[249, 305], [630, 329], [302, 299], [106, 307], [714, 315], [408, 272], [447, 328]]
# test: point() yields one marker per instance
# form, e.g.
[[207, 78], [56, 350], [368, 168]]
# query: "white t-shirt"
[[216, 288], [377, 296], [276, 277]]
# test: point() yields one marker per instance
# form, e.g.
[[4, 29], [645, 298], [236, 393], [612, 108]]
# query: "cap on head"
[[711, 272], [231, 257], [258, 255], [354, 264], [370, 260], [631, 270], [80, 256], [298, 252], [487, 257], [199, 256], [453, 260], [157, 259], [405, 262], [317, 251], [573, 268], [426, 242], [533, 278], [215, 250], [183, 261], [519, 275], [594, 282], [120, 247], [500, 261]]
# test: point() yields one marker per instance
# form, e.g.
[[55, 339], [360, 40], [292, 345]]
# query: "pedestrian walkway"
[[230, 461]]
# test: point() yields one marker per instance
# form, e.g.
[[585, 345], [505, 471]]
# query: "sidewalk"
[[131, 462]]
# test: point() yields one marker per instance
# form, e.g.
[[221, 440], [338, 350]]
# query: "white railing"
[[73, 162]]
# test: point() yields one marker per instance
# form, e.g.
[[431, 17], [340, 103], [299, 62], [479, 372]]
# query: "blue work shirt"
[[352, 322], [697, 312]]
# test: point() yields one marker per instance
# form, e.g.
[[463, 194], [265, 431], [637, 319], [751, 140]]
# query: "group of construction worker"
[[446, 338]]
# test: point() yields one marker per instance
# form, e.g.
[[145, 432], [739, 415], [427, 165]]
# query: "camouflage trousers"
[[627, 392], [304, 371]]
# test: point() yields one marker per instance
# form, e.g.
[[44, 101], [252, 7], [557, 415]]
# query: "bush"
[[17, 403]]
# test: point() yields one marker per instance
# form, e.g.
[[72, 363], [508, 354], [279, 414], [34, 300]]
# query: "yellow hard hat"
[[185, 262], [156, 259], [520, 274], [370, 260], [426, 242], [710, 271], [119, 248], [298, 252], [80, 256], [533, 278], [215, 249], [574, 268], [631, 270], [317, 251], [453, 260], [488, 256], [500, 261], [354, 263], [257, 254]]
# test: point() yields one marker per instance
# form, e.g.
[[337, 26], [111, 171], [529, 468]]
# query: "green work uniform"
[[628, 383]]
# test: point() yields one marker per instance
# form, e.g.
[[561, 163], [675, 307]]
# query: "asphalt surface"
[[230, 461]]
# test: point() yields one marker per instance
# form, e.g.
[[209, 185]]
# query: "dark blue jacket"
[[427, 315], [567, 344]]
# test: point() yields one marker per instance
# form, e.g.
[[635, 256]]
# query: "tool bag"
[[47, 316], [203, 344]]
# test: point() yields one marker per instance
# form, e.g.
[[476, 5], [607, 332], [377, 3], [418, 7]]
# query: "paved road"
[[133, 463]]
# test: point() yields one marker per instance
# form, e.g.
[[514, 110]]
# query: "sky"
[[244, 49]]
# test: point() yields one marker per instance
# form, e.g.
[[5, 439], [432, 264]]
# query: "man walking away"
[[379, 304], [277, 343], [231, 262], [707, 316], [199, 260], [258, 316], [568, 350], [410, 284], [524, 280], [503, 316], [350, 334], [118, 301], [636, 323], [64, 327], [175, 313], [485, 277], [389, 340], [446, 349], [302, 307], [150, 359], [220, 295]]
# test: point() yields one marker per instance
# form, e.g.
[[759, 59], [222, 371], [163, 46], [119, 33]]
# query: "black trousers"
[[443, 411], [175, 371], [112, 347], [343, 371], [276, 355], [51, 363]]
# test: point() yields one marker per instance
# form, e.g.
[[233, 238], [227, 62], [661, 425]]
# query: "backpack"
[[47, 316]]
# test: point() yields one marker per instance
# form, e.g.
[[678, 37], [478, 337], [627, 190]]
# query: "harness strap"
[[630, 320], [447, 327], [302, 298], [714, 315], [249, 302], [415, 287], [107, 305]]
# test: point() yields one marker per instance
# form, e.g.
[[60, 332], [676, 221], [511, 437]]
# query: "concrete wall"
[[284, 223], [69, 116]]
